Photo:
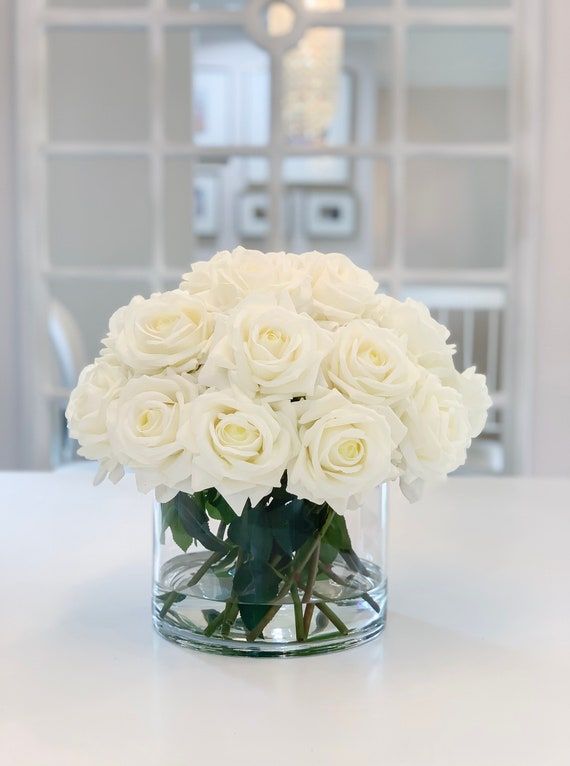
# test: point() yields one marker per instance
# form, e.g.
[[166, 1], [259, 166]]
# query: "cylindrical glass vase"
[[285, 577]]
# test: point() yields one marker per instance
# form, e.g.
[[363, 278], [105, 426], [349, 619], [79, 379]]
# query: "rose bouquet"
[[263, 401]]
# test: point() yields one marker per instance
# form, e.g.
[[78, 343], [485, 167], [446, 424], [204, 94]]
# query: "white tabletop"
[[472, 670]]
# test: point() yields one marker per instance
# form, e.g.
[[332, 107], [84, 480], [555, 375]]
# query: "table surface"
[[473, 668]]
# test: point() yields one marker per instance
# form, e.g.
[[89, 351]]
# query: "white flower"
[[99, 384], [341, 290], [370, 365], [426, 339], [171, 329], [438, 433], [265, 347], [229, 277], [345, 450], [473, 388], [241, 447], [144, 430]]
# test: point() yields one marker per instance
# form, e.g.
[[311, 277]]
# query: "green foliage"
[[337, 534], [188, 520]]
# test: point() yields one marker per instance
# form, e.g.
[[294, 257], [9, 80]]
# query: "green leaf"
[[194, 520], [170, 520], [256, 585], [179, 535], [337, 534]]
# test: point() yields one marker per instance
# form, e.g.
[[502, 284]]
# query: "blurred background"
[[426, 139]]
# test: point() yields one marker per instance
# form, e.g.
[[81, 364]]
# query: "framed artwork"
[[212, 100], [207, 215], [306, 170], [330, 215], [252, 214]]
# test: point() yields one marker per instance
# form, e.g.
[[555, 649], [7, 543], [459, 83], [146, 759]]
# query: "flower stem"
[[312, 576], [299, 627], [328, 570], [252, 635], [168, 602], [308, 616], [221, 530], [334, 618], [217, 621], [210, 561]]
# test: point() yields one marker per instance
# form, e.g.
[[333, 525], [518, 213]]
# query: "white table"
[[472, 670]]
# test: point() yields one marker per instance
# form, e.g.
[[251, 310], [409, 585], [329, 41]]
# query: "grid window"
[[169, 129]]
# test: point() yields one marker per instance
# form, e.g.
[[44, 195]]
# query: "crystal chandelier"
[[311, 73]]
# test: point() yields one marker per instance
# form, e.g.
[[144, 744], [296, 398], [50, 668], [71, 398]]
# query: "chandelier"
[[311, 73]]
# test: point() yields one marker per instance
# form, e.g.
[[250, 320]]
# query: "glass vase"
[[286, 577]]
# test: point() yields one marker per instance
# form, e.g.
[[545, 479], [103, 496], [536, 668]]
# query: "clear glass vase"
[[285, 577]]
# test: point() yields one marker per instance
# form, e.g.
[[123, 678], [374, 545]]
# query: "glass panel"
[[459, 3], [98, 85], [99, 211], [228, 210], [337, 88], [458, 84], [92, 301], [229, 5], [97, 3], [350, 215], [457, 213], [225, 66], [321, 5]]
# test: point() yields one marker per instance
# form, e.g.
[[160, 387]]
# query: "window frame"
[[524, 18]]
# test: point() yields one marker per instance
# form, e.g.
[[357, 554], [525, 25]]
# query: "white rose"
[[438, 434], [341, 290], [370, 365], [144, 430], [99, 384], [171, 329], [473, 388], [241, 447], [265, 347], [346, 449], [229, 277], [426, 339]]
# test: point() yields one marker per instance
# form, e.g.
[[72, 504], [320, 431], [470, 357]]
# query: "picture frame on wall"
[[330, 214], [207, 212], [252, 215], [212, 112], [305, 170]]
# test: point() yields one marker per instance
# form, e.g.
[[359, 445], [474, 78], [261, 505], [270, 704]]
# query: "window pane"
[[457, 212], [458, 84], [223, 63], [459, 3], [98, 85], [97, 3], [206, 4], [351, 215], [99, 212], [337, 87], [92, 301], [223, 211]]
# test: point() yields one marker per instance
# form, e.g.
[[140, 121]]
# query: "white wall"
[[9, 446], [552, 383]]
